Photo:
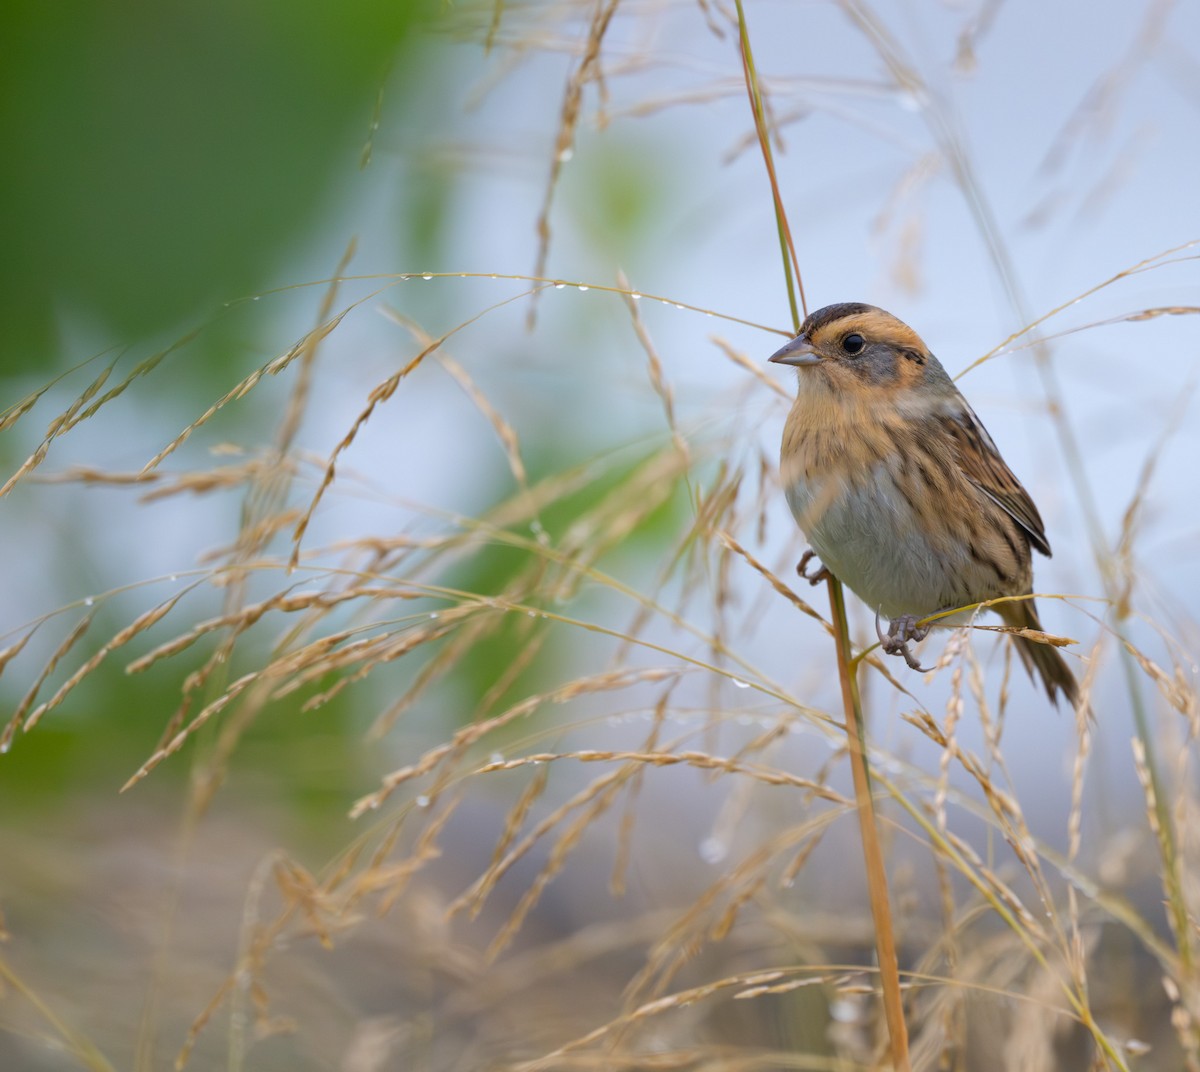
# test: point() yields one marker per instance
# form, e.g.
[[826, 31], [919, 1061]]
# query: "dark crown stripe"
[[831, 313]]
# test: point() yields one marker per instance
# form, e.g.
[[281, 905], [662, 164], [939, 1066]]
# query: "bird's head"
[[856, 347]]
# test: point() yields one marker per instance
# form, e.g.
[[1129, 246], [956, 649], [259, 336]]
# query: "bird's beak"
[[798, 352]]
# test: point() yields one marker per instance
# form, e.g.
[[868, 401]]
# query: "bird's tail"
[[1041, 660]]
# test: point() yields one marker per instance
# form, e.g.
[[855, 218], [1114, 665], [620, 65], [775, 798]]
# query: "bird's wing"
[[982, 465]]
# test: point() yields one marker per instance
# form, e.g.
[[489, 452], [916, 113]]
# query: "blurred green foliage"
[[511, 572], [629, 188], [161, 158]]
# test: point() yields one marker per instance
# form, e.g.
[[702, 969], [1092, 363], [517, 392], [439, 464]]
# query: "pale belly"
[[871, 542]]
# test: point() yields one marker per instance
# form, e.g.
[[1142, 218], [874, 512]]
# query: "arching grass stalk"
[[945, 131]]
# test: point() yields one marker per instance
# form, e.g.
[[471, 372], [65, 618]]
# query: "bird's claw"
[[895, 641], [813, 578]]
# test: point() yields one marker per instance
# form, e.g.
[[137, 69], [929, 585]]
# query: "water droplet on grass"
[[713, 850], [844, 1011]]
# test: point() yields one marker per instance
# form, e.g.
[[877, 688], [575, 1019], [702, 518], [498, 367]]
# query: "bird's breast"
[[873, 508]]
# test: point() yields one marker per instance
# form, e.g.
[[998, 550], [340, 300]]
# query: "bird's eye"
[[853, 344]]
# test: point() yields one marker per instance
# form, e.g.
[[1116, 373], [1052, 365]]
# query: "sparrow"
[[901, 492]]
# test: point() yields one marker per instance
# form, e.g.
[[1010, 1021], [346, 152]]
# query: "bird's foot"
[[900, 631], [813, 578]]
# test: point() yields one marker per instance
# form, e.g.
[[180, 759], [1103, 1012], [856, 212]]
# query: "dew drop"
[[678, 306], [559, 286], [5, 745], [738, 683], [422, 801], [496, 757], [583, 287], [565, 155], [427, 275], [433, 615], [174, 577], [844, 1011], [635, 296], [88, 602], [712, 850]]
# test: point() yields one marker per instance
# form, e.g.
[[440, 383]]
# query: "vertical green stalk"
[[877, 888], [786, 246]]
